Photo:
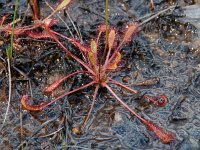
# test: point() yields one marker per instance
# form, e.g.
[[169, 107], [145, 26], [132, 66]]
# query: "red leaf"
[[129, 32], [25, 103], [36, 35], [164, 135], [93, 54], [111, 38], [113, 64], [53, 86]]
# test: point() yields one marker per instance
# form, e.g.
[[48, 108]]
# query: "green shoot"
[[10, 48]]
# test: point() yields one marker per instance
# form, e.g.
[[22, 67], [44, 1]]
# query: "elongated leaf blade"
[[111, 38], [164, 135], [113, 65], [53, 86], [92, 59], [130, 31], [36, 35], [93, 46], [93, 54]]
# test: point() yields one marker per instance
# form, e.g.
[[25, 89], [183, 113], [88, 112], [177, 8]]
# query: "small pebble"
[[126, 79], [118, 117]]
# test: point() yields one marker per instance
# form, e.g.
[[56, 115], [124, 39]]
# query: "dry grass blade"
[[37, 131], [21, 126], [76, 28], [155, 15], [9, 93], [63, 4]]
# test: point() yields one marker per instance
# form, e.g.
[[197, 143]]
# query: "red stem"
[[136, 92], [27, 106], [73, 41], [107, 57], [113, 56], [51, 32], [122, 85], [55, 84], [124, 104], [92, 105]]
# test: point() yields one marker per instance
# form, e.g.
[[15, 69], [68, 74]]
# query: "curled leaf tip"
[[159, 101], [162, 100], [25, 103]]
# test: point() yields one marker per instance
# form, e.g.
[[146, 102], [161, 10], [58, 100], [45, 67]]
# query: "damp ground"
[[167, 48]]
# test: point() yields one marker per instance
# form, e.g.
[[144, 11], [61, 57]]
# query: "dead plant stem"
[[9, 57], [157, 14], [9, 93]]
